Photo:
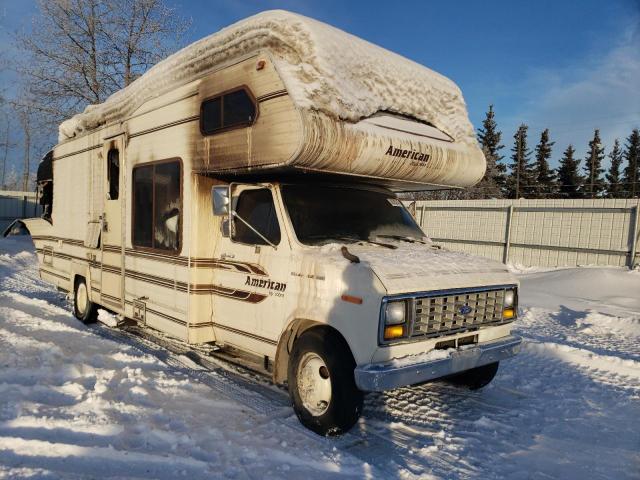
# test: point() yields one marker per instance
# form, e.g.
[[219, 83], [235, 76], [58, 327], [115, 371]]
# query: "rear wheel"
[[476, 377], [321, 383], [83, 308]]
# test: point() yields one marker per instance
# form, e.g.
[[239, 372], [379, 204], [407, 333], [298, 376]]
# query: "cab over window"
[[157, 206], [257, 208], [226, 111]]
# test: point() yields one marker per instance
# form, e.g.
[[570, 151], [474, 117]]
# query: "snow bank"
[[322, 67], [608, 290]]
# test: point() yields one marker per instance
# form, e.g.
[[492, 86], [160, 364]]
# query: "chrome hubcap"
[[314, 384], [81, 298]]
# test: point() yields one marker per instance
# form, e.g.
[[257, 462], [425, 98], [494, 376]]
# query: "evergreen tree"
[[593, 184], [614, 188], [521, 177], [545, 176], [493, 183], [631, 178], [568, 177]]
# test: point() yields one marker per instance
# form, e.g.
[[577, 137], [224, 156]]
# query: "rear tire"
[[321, 383], [475, 378], [83, 308]]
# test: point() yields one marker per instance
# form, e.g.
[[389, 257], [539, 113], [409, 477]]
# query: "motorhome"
[[243, 194]]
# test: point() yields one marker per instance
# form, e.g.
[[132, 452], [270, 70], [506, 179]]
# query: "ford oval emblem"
[[465, 310]]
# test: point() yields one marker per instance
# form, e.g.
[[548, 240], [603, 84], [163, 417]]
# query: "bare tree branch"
[[79, 52]]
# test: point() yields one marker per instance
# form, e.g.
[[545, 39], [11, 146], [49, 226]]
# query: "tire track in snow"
[[271, 405]]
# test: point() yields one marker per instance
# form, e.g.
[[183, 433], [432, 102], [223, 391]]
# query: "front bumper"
[[378, 377]]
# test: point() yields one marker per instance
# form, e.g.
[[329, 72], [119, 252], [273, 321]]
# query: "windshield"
[[322, 214]]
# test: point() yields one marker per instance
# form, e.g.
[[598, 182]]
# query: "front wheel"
[[83, 308], [321, 383], [475, 378]]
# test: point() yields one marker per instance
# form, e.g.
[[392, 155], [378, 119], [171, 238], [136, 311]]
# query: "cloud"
[[602, 92]]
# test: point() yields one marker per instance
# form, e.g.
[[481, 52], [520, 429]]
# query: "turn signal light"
[[509, 313], [352, 299], [393, 331]]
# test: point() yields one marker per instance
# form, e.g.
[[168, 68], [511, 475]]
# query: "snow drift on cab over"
[[322, 67]]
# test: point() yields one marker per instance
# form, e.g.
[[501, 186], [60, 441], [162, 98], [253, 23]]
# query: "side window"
[[257, 208], [113, 173], [229, 110], [166, 206], [157, 206], [142, 206]]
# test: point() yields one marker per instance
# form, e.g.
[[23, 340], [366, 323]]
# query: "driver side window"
[[257, 208]]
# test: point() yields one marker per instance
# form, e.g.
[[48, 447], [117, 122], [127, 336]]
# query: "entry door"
[[112, 237], [251, 277]]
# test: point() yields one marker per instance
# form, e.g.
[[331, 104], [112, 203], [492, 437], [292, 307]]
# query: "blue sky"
[[567, 65]]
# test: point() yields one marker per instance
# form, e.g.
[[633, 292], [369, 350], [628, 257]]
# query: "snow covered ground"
[[91, 402]]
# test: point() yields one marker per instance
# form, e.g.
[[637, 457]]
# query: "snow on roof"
[[323, 68]]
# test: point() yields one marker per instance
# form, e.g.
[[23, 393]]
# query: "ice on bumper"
[[423, 367]]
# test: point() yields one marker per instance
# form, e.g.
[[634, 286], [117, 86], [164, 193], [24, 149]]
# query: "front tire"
[[321, 383], [83, 308], [475, 378]]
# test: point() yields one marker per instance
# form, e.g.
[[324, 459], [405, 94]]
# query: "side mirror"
[[220, 199]]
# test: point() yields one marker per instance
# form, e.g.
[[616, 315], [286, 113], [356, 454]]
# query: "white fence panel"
[[547, 233], [17, 205]]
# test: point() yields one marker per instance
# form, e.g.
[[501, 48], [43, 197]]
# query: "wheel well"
[[285, 345], [76, 279], [16, 225]]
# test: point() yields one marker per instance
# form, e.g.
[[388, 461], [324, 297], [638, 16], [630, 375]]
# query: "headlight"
[[394, 313], [509, 298], [395, 317], [509, 311]]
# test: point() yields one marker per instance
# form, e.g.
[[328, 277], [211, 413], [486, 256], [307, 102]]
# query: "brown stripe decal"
[[166, 125], [161, 281], [236, 294], [48, 272], [240, 267], [70, 241], [110, 302], [75, 153], [272, 95], [111, 298], [246, 334], [198, 289], [160, 314]]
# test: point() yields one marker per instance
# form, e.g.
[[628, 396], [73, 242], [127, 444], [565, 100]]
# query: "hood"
[[419, 267]]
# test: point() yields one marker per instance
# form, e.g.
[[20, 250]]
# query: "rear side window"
[[157, 206], [229, 110], [257, 208]]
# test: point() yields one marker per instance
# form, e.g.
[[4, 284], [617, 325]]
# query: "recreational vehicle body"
[[218, 211]]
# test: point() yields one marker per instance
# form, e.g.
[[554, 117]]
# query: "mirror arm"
[[235, 215]]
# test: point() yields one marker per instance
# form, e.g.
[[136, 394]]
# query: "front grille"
[[447, 314]]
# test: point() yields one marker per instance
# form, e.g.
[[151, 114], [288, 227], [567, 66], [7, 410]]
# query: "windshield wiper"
[[362, 240], [347, 238], [403, 238]]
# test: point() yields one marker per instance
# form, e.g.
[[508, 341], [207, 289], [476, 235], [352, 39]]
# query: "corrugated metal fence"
[[545, 233], [17, 205]]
